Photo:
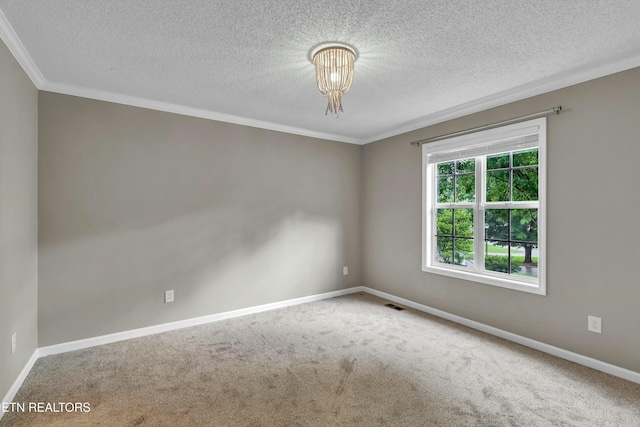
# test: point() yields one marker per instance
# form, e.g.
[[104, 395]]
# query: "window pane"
[[524, 225], [466, 165], [525, 184], [516, 254], [463, 252], [525, 158], [496, 247], [524, 260], [465, 188], [496, 257], [444, 250], [445, 222], [445, 168], [498, 161], [496, 224], [498, 186], [463, 222], [445, 189]]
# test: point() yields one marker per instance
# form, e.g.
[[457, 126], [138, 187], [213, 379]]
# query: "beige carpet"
[[347, 361]]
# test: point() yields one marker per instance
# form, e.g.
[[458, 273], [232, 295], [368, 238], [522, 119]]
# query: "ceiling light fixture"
[[334, 72]]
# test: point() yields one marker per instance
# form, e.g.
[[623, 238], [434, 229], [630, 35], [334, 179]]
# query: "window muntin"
[[454, 237], [456, 181], [484, 206], [512, 176]]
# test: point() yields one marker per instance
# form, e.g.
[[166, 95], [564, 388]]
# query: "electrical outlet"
[[14, 346], [595, 324], [168, 296], [345, 271]]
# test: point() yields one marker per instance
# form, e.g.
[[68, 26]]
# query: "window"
[[484, 206]]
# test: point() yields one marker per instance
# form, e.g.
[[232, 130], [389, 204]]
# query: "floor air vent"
[[395, 307]]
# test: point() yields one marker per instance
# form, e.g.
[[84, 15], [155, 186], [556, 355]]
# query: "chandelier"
[[334, 72]]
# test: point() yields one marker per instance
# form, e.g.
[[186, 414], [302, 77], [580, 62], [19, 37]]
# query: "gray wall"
[[593, 230], [133, 202], [18, 218]]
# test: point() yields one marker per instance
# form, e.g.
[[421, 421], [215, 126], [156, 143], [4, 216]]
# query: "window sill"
[[538, 289]]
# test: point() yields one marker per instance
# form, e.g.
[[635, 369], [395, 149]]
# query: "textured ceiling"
[[246, 61]]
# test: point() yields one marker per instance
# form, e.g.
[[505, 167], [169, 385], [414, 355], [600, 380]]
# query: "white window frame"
[[506, 138]]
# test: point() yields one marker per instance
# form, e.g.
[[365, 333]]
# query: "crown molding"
[[17, 49], [151, 104], [512, 95], [519, 93]]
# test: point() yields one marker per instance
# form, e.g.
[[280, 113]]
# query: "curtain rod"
[[554, 110]]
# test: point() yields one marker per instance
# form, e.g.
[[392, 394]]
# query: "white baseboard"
[[18, 382], [537, 345], [172, 326], [165, 327]]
